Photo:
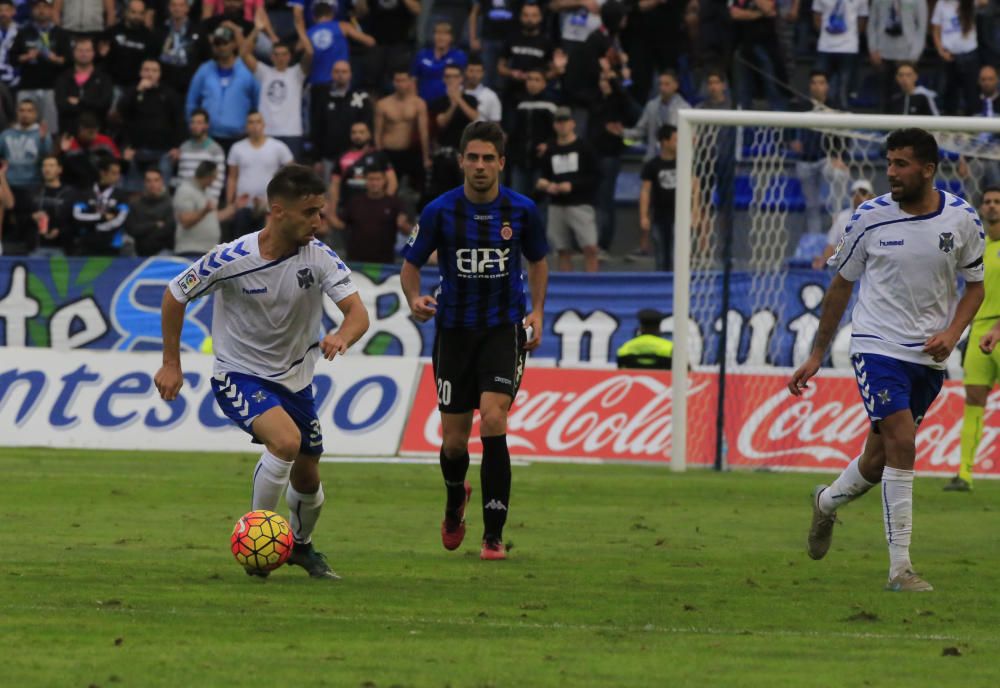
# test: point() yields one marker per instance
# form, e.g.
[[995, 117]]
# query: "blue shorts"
[[888, 385], [244, 397]]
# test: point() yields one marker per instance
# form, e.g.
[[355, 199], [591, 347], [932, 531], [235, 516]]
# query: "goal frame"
[[687, 121]]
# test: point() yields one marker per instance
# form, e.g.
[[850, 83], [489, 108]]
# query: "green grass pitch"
[[116, 572]]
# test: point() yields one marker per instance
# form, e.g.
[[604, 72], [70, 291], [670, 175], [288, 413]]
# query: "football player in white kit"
[[908, 248], [267, 336]]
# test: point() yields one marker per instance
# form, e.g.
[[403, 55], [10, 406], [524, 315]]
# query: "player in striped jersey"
[[907, 248], [982, 369], [479, 230], [267, 336]]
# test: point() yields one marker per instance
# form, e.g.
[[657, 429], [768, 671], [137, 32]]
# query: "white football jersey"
[[267, 316], [908, 266]]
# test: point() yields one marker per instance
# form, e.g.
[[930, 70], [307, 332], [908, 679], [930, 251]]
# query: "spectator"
[[569, 178], [654, 39], [150, 222], [428, 65], [659, 111], [52, 211], [99, 212], [451, 113], [989, 97], [658, 194], [498, 22], [177, 42], [861, 191], [247, 15], [488, 101], [530, 131], [599, 53], [199, 227], [281, 90], [391, 24], [820, 167], [897, 32], [649, 349], [911, 99], [350, 173], [225, 88], [201, 148], [127, 45], [402, 131], [84, 88], [758, 45], [23, 146], [40, 49], [153, 119], [840, 24], [9, 72], [84, 152], [339, 107], [577, 20], [613, 110], [373, 220], [252, 162], [85, 17], [716, 92], [953, 27], [528, 49]]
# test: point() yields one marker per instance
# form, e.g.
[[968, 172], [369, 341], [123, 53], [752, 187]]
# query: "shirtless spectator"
[[401, 130]]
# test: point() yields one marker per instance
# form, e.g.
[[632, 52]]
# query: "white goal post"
[[963, 137]]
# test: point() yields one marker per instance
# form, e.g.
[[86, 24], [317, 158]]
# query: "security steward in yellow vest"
[[648, 350]]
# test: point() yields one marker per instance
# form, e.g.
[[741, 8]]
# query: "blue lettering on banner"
[[322, 385], [36, 381], [209, 413], [178, 407], [59, 416], [130, 384], [389, 391]]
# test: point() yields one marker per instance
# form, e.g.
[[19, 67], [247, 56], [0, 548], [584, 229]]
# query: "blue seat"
[[810, 246], [782, 194], [627, 188], [953, 186]]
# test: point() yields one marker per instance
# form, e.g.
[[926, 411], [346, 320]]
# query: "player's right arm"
[[169, 377], [838, 294]]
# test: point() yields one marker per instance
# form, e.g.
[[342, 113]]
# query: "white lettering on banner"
[[107, 400], [88, 314], [572, 329], [16, 308]]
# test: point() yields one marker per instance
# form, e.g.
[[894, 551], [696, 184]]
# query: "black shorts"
[[468, 362]]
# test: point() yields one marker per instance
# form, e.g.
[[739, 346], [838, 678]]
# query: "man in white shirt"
[[280, 88], [252, 162], [910, 246], [269, 289], [861, 191], [488, 102], [840, 24]]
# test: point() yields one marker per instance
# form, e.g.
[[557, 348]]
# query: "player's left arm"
[[535, 248], [355, 324], [989, 340]]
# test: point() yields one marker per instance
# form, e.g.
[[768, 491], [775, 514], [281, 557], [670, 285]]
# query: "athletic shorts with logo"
[[981, 369], [888, 385], [468, 362], [244, 397]]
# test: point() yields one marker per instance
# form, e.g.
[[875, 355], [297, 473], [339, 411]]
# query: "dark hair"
[[400, 69], [105, 163], [7, 2], [200, 111], [716, 72], [293, 182], [438, 24], [665, 132], [612, 14], [490, 132], [818, 72], [992, 188], [475, 59], [50, 156], [205, 168], [322, 9], [30, 101], [925, 148], [966, 15], [451, 66], [671, 73], [88, 120], [906, 63], [154, 170]]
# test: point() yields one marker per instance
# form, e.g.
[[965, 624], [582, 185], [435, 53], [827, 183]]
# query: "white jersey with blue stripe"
[[267, 317], [908, 266]]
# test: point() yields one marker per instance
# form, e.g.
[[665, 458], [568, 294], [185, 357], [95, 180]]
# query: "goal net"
[[749, 274]]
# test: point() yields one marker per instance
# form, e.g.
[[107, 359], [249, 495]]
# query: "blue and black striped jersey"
[[479, 255]]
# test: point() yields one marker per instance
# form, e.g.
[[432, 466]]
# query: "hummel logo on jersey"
[[897, 242], [476, 261], [254, 292], [305, 276], [496, 505], [946, 241]]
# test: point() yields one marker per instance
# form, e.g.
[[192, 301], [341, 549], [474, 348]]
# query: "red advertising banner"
[[626, 416]]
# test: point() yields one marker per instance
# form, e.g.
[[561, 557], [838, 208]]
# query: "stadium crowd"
[[143, 128]]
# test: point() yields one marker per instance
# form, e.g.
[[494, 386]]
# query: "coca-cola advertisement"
[[626, 416]]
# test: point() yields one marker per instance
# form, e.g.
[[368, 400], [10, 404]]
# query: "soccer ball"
[[261, 541]]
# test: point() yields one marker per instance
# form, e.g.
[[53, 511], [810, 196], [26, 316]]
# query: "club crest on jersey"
[[305, 276], [946, 242], [189, 280], [506, 232], [413, 235]]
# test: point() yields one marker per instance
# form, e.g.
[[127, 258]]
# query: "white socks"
[[897, 514], [304, 510], [848, 486], [269, 480]]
